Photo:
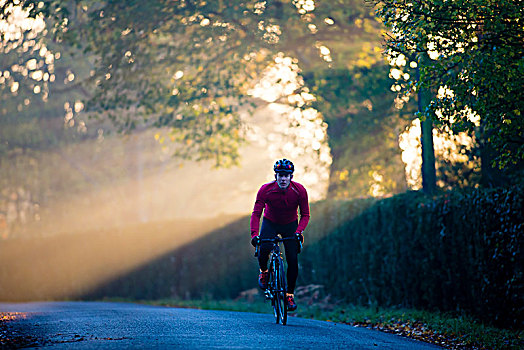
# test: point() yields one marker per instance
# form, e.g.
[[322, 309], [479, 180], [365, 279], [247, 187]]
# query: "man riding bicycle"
[[280, 200]]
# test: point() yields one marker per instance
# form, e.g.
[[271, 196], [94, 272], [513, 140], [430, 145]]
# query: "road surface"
[[103, 325]]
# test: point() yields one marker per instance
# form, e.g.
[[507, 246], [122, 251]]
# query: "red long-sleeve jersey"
[[280, 206]]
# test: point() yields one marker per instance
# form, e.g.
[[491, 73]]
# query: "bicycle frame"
[[277, 287]]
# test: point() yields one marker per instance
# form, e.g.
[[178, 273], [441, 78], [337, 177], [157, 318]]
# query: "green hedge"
[[451, 252]]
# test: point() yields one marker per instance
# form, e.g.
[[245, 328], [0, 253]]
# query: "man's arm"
[[260, 203], [303, 205]]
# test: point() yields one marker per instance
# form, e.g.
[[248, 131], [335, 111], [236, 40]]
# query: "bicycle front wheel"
[[273, 285], [281, 292]]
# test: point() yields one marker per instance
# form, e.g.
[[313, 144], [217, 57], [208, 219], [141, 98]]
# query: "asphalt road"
[[101, 325]]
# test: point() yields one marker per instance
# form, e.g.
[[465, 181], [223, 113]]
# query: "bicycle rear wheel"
[[281, 292]]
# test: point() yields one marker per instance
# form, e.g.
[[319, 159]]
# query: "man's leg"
[[291, 248]]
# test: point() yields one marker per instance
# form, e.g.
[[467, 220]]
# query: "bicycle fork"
[[272, 287], [268, 295]]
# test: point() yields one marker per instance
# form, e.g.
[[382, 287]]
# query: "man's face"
[[283, 180]]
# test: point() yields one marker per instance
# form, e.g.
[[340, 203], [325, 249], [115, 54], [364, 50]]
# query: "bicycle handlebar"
[[276, 240]]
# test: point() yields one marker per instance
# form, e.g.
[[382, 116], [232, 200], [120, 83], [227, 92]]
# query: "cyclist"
[[280, 200]]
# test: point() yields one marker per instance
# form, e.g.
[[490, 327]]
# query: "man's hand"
[[300, 239], [255, 240]]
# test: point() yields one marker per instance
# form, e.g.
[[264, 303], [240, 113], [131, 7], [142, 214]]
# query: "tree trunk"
[[429, 175], [491, 176]]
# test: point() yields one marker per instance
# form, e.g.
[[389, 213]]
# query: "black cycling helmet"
[[284, 166]]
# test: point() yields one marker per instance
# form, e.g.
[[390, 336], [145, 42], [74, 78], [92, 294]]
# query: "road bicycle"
[[277, 287]]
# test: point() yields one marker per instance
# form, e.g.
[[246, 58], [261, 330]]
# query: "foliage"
[[39, 97], [189, 65], [363, 129], [27, 66], [475, 51]]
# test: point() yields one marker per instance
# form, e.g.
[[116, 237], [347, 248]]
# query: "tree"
[[36, 82], [188, 65], [26, 64], [477, 54], [363, 129]]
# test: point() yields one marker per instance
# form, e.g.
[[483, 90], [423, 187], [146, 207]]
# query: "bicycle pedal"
[[268, 295]]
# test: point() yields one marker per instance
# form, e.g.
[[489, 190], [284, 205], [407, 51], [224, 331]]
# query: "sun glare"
[[296, 133], [134, 205], [376, 188], [19, 22], [447, 147], [304, 6], [21, 34]]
